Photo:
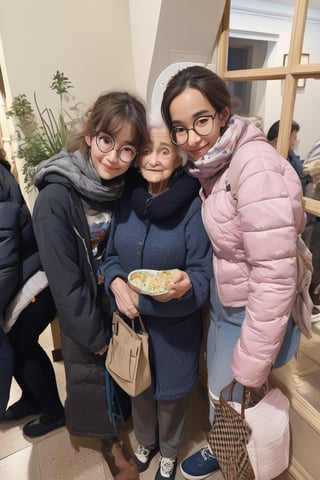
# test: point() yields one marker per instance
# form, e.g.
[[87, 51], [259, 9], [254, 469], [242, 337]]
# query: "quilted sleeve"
[[271, 216]]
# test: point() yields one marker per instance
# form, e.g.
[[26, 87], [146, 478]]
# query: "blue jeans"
[[224, 332]]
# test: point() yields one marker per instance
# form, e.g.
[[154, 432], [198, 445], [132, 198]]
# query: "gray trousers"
[[160, 421]]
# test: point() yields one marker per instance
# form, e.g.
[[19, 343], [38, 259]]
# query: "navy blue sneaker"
[[199, 465]]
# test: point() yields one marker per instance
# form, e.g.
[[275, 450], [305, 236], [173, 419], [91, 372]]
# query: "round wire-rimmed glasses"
[[202, 126], [105, 144]]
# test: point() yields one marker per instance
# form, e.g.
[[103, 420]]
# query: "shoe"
[[40, 426], [167, 469], [143, 456], [120, 467], [199, 465], [19, 410]]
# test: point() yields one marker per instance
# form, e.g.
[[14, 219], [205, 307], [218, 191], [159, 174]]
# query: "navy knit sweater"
[[165, 232]]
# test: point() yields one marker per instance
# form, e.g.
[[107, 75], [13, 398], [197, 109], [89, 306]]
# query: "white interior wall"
[[186, 33], [126, 44], [89, 41], [144, 17], [307, 105], [258, 18]]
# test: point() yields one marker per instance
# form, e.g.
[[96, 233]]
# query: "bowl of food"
[[150, 282]]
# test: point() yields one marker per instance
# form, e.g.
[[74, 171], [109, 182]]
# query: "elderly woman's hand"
[[126, 299], [180, 285]]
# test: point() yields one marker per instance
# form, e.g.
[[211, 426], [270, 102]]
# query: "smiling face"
[[158, 160], [108, 165], [187, 107]]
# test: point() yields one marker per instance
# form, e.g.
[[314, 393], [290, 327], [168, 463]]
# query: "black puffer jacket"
[[19, 256], [65, 247]]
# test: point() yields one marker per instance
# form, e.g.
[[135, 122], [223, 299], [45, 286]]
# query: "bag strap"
[[132, 320], [246, 400], [232, 178], [229, 389], [234, 171], [143, 328]]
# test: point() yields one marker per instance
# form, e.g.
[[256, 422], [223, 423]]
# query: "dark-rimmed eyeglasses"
[[105, 144], [202, 126]]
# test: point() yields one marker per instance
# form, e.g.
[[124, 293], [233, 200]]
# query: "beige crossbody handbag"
[[128, 356]]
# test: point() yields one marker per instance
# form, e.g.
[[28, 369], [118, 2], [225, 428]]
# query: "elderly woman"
[[158, 225]]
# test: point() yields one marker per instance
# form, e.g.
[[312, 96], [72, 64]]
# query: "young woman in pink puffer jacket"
[[253, 236]]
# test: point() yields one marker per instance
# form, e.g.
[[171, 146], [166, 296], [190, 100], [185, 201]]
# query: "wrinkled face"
[[185, 110], [158, 160], [109, 165]]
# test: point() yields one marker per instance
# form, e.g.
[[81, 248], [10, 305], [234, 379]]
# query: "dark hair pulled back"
[[199, 78]]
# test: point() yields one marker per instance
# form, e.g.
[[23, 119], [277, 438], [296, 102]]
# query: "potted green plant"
[[43, 133]]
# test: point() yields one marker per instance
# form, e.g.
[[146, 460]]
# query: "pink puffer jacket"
[[254, 242]]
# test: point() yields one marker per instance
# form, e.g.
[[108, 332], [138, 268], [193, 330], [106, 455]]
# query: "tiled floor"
[[58, 456]]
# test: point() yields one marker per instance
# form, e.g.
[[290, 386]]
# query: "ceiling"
[[312, 3]]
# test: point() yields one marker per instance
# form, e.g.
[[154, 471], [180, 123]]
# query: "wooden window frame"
[[290, 74]]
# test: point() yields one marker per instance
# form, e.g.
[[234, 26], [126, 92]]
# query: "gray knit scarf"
[[82, 175]]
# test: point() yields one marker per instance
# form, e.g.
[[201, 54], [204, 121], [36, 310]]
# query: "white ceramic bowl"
[[150, 282]]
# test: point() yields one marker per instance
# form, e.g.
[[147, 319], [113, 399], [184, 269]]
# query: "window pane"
[[312, 32], [263, 99], [306, 112], [257, 98], [260, 33]]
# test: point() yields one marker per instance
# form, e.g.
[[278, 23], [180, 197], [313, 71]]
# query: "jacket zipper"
[[88, 260]]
